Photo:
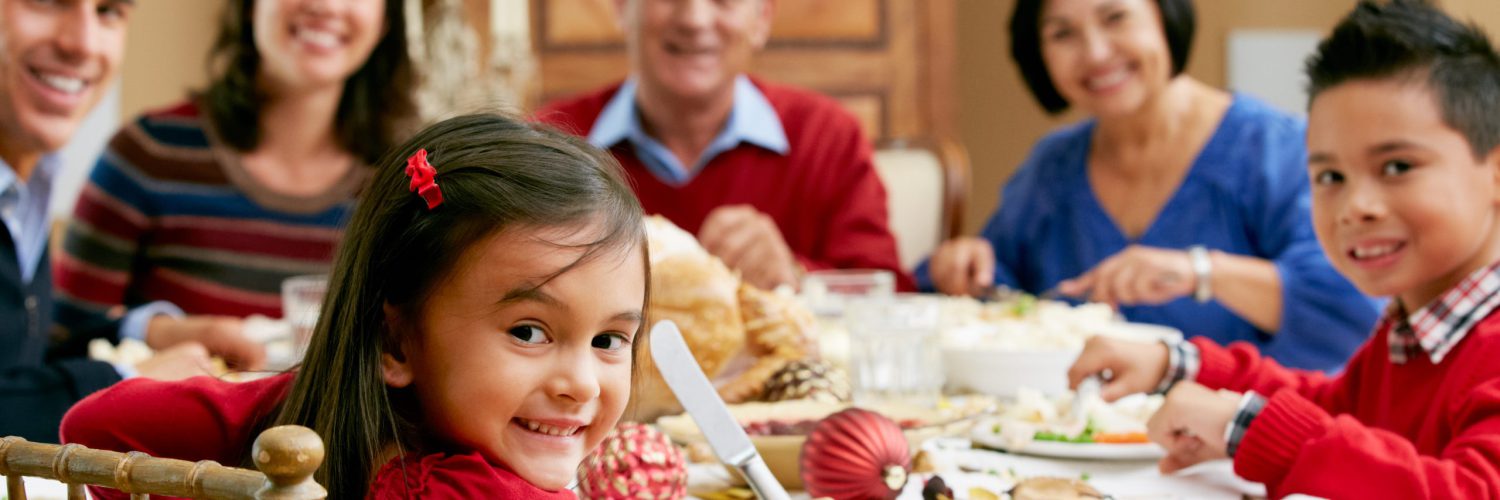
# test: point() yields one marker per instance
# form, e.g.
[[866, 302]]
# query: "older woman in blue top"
[[1180, 203]]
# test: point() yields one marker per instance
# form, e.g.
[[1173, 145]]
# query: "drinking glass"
[[826, 292], [301, 299], [894, 353]]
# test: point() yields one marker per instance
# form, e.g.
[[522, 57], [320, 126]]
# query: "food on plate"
[[977, 493], [740, 335], [634, 461], [814, 380], [855, 454], [1036, 417], [1053, 488], [132, 352], [923, 463], [788, 427], [1028, 323], [936, 489]]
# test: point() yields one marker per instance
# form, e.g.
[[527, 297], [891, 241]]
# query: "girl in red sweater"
[[1404, 156], [477, 340]]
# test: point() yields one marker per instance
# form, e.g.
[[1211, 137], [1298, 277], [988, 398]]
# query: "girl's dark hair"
[[495, 173], [374, 110], [1177, 23], [1415, 41]]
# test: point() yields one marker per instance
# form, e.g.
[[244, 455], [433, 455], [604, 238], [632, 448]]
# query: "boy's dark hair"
[[1177, 23], [374, 112], [1414, 40], [495, 173]]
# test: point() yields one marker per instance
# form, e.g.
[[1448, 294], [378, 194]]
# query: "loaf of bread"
[[740, 335]]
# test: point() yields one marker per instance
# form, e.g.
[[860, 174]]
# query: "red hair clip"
[[422, 179]]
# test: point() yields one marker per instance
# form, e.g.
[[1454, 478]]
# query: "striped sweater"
[[169, 213]]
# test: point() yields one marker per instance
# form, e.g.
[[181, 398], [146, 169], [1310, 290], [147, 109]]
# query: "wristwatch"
[[1203, 272]]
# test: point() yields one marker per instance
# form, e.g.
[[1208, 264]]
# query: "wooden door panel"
[[590, 24], [881, 58], [575, 24], [868, 109]]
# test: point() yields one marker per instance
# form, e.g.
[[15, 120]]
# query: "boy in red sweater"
[[1404, 155]]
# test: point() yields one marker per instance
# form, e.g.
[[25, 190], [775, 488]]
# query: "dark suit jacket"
[[42, 372]]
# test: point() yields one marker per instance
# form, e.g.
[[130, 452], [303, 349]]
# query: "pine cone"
[[814, 380]]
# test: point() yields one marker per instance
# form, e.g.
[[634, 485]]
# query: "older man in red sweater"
[[774, 180]]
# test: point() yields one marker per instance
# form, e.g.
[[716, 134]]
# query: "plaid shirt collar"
[[1442, 323]]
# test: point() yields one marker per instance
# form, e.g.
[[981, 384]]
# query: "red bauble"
[[855, 455], [635, 461]]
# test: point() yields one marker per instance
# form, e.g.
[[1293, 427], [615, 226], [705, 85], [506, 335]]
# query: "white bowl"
[[971, 363], [1000, 371]]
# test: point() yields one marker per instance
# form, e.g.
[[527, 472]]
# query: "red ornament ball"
[[855, 454], [635, 461]]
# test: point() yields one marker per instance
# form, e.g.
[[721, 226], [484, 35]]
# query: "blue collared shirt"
[[752, 120], [23, 208]]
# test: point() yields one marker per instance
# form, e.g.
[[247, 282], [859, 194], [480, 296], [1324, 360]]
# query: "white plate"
[[1082, 451]]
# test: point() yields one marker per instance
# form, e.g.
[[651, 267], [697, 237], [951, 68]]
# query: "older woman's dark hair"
[[1177, 22], [375, 109], [496, 173], [1414, 41]]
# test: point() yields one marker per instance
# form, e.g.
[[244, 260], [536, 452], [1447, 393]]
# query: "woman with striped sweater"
[[196, 214]]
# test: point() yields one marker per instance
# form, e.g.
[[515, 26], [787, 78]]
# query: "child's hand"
[[186, 359], [223, 336], [1134, 366], [1190, 425]]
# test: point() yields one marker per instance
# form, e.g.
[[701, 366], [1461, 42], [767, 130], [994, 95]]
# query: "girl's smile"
[[522, 335]]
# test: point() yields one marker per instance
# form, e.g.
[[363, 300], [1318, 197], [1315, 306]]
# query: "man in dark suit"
[[57, 59]]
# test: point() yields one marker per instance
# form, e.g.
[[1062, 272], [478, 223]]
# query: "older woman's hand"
[[963, 266], [1136, 275]]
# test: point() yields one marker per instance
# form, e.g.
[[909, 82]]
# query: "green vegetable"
[[1023, 305], [1085, 437]]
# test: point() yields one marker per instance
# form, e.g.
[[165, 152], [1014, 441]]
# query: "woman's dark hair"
[[1177, 23], [495, 173], [1415, 41], [374, 111]]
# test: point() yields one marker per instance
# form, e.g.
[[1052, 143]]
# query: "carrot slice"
[[1121, 438]]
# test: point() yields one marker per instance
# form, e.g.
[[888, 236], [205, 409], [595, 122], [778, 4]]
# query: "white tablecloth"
[[963, 468]]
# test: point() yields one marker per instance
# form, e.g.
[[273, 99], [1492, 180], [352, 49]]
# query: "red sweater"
[[1378, 430], [204, 418], [824, 195]]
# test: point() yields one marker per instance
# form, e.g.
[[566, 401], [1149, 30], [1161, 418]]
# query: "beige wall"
[[1484, 12], [167, 51], [998, 120]]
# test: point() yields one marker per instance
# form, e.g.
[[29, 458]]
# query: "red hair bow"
[[422, 179]]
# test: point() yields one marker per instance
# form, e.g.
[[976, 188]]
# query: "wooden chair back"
[[925, 184], [286, 455]]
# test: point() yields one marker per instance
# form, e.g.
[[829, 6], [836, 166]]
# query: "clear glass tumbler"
[[301, 301], [894, 355]]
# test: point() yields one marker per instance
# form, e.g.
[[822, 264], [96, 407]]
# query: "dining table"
[[967, 470]]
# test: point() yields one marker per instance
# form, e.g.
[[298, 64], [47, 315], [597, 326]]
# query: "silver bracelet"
[[1203, 271]]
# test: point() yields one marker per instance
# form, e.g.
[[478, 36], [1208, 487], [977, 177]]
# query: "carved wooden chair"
[[925, 183], [287, 456]]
